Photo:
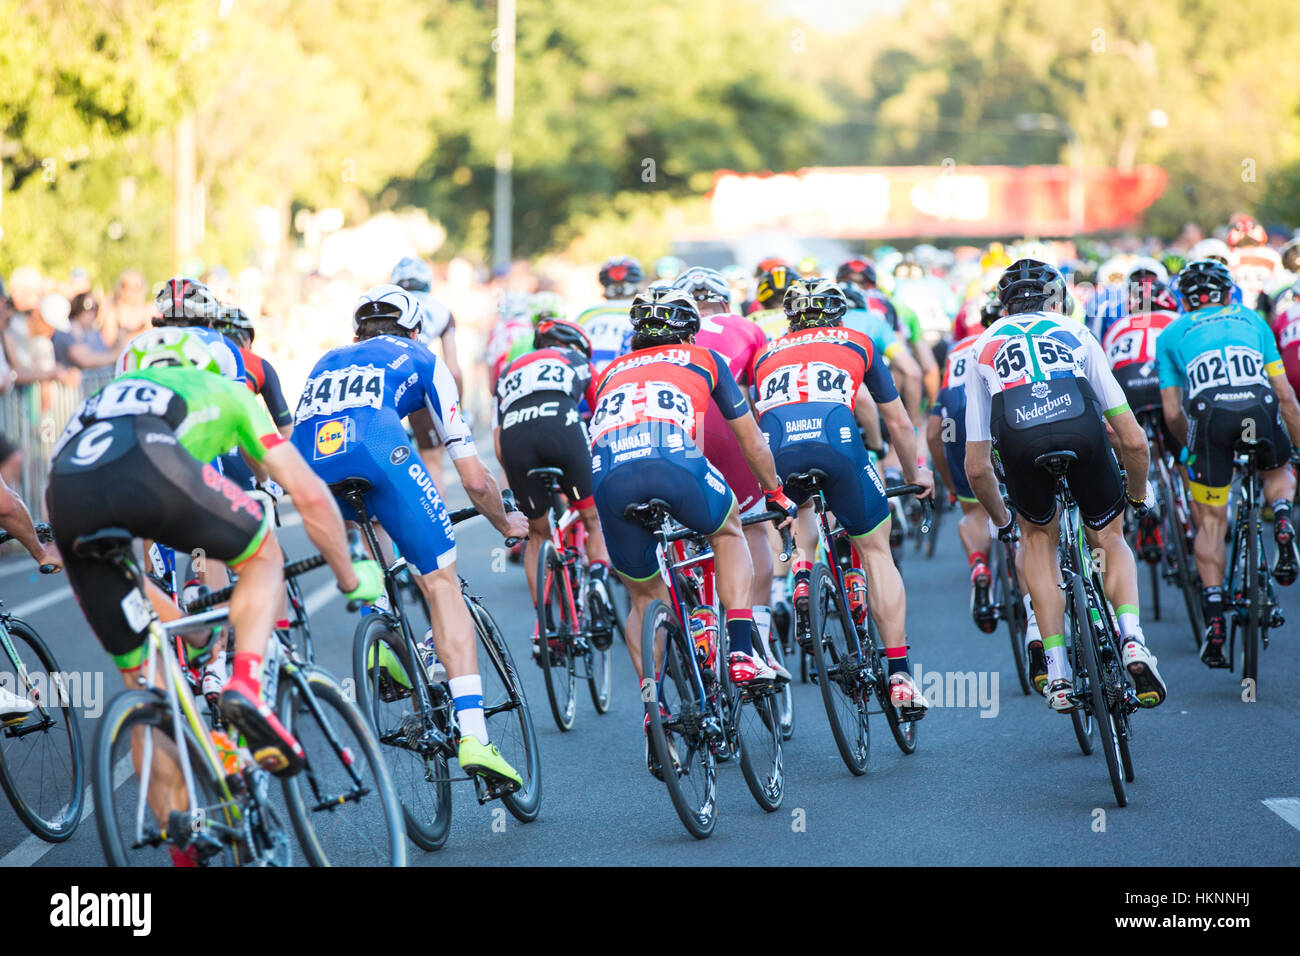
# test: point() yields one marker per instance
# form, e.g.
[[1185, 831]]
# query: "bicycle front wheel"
[[837, 662], [1096, 679], [1255, 603], [386, 695], [342, 804], [758, 724], [42, 765], [555, 630], [1011, 600]]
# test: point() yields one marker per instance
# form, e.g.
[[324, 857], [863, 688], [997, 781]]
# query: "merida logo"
[[76, 909], [1046, 408]]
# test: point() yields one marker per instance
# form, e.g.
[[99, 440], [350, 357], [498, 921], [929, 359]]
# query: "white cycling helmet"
[[167, 347], [1146, 264], [388, 301], [412, 274], [1211, 249]]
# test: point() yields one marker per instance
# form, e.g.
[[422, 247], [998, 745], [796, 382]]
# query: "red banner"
[[916, 201]]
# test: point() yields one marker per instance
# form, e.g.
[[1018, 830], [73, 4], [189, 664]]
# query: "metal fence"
[[32, 418]]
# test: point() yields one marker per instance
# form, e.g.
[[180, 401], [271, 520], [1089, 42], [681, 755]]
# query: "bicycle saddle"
[[103, 544], [1057, 463], [546, 475], [350, 486], [649, 513], [809, 479]]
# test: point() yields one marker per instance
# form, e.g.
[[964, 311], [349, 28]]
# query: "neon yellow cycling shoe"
[[487, 761], [393, 680]]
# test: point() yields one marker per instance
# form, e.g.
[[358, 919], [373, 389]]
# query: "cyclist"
[[607, 324], [537, 424], [649, 407], [772, 283], [1040, 383], [1286, 329], [134, 456], [738, 341], [17, 521], [349, 421], [1222, 381], [946, 437], [907, 374], [809, 384], [513, 326], [261, 377]]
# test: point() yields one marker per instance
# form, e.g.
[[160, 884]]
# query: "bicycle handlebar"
[[464, 514], [291, 570], [43, 533], [927, 504]]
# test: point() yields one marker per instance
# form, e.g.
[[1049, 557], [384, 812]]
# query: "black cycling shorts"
[[1222, 421], [1141, 386], [546, 434], [1061, 415], [131, 473]]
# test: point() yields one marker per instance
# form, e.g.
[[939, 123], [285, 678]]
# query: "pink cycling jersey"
[[738, 340], [1286, 326]]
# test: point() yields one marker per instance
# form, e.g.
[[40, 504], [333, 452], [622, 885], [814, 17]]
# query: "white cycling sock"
[[763, 620], [1031, 627], [467, 692]]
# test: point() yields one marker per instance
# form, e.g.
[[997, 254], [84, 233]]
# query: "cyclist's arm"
[[868, 418], [907, 373], [1287, 404], [449, 355], [484, 495], [1171, 403], [273, 395], [934, 439], [731, 403], [320, 514], [903, 435], [17, 520], [1133, 451]]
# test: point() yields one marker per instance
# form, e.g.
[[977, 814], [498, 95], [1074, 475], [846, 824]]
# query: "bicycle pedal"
[[488, 788]]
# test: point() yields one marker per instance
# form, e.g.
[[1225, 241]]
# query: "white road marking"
[[33, 848], [1288, 808], [28, 608], [322, 596], [19, 565]]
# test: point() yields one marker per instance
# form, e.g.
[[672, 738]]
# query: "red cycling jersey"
[[669, 384], [959, 356], [1286, 327], [819, 365], [1132, 339]]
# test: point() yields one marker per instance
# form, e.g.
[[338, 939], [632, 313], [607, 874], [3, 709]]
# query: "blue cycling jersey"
[[1217, 347], [876, 327]]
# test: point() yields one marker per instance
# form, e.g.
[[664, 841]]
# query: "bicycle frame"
[[1260, 605], [24, 681]]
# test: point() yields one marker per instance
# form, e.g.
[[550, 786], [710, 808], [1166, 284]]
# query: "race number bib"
[[547, 375], [780, 388], [957, 365], [1236, 366], [1014, 362], [1126, 348], [131, 398], [633, 403], [357, 386], [814, 382]]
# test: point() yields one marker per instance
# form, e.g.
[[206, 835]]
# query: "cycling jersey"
[[876, 327], [1286, 328], [536, 406], [772, 322], [807, 384], [950, 407], [348, 424], [880, 305], [608, 326], [1040, 383], [437, 319], [262, 379], [738, 340], [505, 338], [1130, 346]]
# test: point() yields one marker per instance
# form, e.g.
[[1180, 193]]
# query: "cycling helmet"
[[814, 303], [1245, 231], [544, 306], [850, 269], [703, 285], [1156, 297], [557, 333], [768, 264], [808, 267], [909, 268], [412, 274], [1173, 262], [1146, 268], [1205, 282], [668, 315], [772, 285], [857, 299], [990, 311], [388, 301], [621, 276], [233, 321], [669, 267], [1031, 285], [1290, 253], [168, 347], [184, 301], [1211, 249]]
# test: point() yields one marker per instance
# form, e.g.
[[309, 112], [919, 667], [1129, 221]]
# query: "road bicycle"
[[575, 622], [1101, 687], [697, 715], [415, 718], [42, 764], [342, 806], [1252, 603], [848, 659], [1009, 599]]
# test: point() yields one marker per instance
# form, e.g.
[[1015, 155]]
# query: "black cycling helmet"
[[1205, 282], [814, 303], [234, 322], [851, 269], [772, 285], [1031, 285], [857, 299], [990, 311], [663, 316], [557, 333], [621, 276]]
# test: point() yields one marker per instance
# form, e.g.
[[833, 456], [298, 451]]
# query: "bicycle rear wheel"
[[509, 719], [1081, 719], [129, 833], [342, 804], [1177, 554], [783, 701], [42, 765], [1096, 679], [385, 694], [1255, 604], [555, 630], [681, 748], [600, 664], [1010, 599], [837, 662]]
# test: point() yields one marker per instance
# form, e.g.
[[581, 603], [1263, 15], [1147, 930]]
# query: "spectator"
[[78, 282], [11, 463], [82, 346], [131, 310], [28, 342], [25, 294]]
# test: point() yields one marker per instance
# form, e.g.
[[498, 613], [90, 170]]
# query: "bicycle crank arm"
[[332, 803]]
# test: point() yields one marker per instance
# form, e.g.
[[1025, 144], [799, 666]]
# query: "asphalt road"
[[999, 781]]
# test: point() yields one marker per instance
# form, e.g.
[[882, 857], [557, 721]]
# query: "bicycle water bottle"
[[703, 626], [271, 670], [855, 582]]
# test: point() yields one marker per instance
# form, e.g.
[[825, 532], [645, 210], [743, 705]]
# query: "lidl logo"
[[330, 437]]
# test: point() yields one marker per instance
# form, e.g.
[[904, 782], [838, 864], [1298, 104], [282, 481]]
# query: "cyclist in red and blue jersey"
[[809, 382], [259, 375], [348, 424], [650, 405]]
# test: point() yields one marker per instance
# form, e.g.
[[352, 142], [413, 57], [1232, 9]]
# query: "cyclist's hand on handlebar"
[[50, 561], [925, 478], [1008, 532], [370, 583], [516, 525], [1147, 506], [777, 500]]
